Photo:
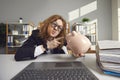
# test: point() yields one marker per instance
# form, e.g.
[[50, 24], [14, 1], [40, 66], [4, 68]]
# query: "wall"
[[118, 19], [104, 15], [38, 10], [115, 19]]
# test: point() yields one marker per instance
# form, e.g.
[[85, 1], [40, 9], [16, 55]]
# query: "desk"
[[9, 67]]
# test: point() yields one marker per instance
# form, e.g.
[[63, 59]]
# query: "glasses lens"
[[56, 26]]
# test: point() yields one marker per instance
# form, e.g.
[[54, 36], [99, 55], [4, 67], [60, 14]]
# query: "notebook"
[[55, 71]]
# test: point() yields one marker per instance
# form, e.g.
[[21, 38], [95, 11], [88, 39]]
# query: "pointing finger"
[[59, 38]]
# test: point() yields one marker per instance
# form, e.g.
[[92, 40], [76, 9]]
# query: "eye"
[[54, 24], [60, 27]]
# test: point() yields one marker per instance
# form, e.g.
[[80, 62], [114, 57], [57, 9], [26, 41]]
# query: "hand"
[[75, 54], [53, 43], [78, 55]]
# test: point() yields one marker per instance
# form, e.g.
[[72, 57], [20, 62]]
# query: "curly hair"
[[45, 24]]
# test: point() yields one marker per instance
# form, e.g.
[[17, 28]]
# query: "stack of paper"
[[108, 56]]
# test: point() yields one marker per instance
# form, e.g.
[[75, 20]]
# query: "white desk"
[[9, 67]]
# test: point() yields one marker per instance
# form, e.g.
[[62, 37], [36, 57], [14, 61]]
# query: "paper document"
[[109, 58], [109, 44]]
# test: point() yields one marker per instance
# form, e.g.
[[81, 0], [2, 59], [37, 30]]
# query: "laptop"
[[55, 71]]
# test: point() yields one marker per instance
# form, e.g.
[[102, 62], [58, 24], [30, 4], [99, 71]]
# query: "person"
[[48, 38]]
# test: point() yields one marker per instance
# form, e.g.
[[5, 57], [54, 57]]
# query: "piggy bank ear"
[[74, 33]]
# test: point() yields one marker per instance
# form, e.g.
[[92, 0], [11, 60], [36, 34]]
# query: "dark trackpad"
[[63, 65]]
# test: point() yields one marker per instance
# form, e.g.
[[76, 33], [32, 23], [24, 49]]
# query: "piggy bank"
[[78, 43]]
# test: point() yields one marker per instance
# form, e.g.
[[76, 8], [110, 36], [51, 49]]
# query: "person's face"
[[55, 28]]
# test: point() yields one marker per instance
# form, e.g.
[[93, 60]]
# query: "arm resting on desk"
[[26, 51]]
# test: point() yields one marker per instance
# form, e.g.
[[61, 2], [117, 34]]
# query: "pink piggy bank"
[[78, 43]]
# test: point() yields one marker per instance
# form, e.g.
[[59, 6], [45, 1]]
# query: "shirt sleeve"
[[38, 51], [65, 49]]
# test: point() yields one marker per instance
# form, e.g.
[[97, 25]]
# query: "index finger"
[[59, 38]]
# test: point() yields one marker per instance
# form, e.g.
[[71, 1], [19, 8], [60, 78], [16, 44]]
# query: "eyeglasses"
[[56, 26]]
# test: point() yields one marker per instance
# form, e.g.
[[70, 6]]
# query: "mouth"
[[54, 32]]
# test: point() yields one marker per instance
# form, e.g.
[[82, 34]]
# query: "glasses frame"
[[55, 25]]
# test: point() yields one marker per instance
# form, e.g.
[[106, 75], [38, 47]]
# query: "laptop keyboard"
[[56, 74]]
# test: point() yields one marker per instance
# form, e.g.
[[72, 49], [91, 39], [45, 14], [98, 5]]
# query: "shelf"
[[11, 52], [12, 22], [14, 46], [16, 35]]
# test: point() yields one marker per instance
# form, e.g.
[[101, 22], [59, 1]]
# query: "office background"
[[38, 10]]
